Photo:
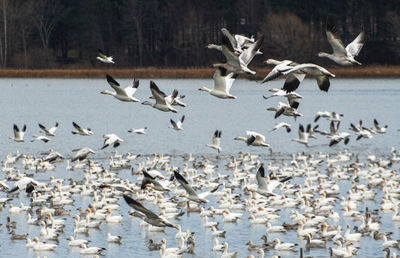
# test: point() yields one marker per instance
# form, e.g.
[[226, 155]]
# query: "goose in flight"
[[82, 153], [286, 109], [282, 124], [103, 58], [138, 130], [48, 132], [342, 55], [267, 188], [18, 134], [292, 80], [378, 128], [81, 131], [238, 42], [191, 194], [163, 102], [149, 180], [176, 101], [253, 138], [216, 140], [291, 96], [146, 214], [40, 138], [178, 125], [111, 139], [222, 84], [121, 94], [303, 136], [338, 137], [238, 64]]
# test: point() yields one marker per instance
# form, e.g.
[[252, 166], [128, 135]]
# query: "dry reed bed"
[[363, 71]]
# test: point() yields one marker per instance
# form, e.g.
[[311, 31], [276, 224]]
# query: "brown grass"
[[348, 72]]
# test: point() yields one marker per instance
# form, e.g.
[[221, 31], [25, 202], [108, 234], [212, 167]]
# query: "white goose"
[[111, 139], [222, 84], [81, 131], [49, 132], [282, 124], [216, 141], [341, 55], [163, 102], [177, 125], [138, 130], [18, 135], [253, 138], [303, 136], [103, 58], [121, 94]]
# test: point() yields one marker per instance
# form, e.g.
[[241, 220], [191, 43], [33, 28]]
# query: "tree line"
[[174, 33]]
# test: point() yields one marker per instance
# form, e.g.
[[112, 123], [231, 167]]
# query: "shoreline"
[[152, 72]]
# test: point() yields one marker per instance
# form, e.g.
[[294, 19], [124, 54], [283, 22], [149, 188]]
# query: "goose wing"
[[115, 85], [157, 93], [230, 37], [173, 123], [229, 79], [260, 178], [216, 138], [139, 207], [258, 137], [247, 55], [302, 134], [130, 90], [356, 45], [334, 39], [184, 184], [101, 54], [54, 128], [207, 193]]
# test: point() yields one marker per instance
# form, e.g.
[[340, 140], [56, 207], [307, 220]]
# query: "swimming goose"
[[81, 131], [238, 64], [191, 194], [283, 246], [303, 136], [341, 55], [18, 135], [40, 138], [342, 252], [121, 94], [222, 84], [216, 140], [40, 246], [315, 71], [282, 124], [178, 125], [103, 58], [163, 102], [146, 214], [82, 153], [225, 254], [49, 132], [90, 250], [15, 236], [111, 139], [76, 242], [253, 138], [114, 239]]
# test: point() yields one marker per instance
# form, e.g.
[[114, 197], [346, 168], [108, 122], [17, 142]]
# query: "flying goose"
[[282, 124], [111, 139], [40, 138], [216, 140], [286, 109], [222, 84], [163, 102], [178, 125], [121, 94], [82, 153], [81, 131], [103, 58], [378, 128], [138, 130], [18, 135], [146, 214], [238, 42], [266, 188], [291, 96], [303, 136], [191, 194], [49, 132], [341, 55], [253, 138], [148, 179], [238, 64], [315, 71]]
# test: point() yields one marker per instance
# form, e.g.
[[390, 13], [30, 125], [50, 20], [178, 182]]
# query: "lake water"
[[33, 101]]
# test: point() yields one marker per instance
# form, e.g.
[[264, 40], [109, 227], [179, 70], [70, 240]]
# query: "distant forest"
[[174, 33]]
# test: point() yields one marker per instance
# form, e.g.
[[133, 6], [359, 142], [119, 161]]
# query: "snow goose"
[[121, 94], [266, 188], [273, 229], [191, 194], [354, 237], [217, 233], [146, 214], [82, 153], [103, 58], [90, 250], [138, 130], [76, 242], [238, 64], [40, 138], [378, 128], [283, 246], [286, 109], [169, 252], [177, 125], [163, 102], [341, 252], [225, 253], [279, 69], [282, 124], [314, 243], [303, 136], [216, 140], [81, 131], [217, 246], [113, 239], [49, 132], [341, 55], [389, 243], [40, 246], [253, 138], [18, 134], [222, 84], [111, 139]]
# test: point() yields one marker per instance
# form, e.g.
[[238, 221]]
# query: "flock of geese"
[[307, 188]]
